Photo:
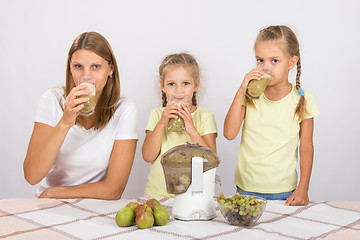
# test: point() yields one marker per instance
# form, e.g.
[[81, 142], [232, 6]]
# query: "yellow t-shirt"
[[204, 123], [268, 151]]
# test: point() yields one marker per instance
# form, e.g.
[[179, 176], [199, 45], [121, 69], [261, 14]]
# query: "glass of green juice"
[[257, 87], [177, 124], [89, 106]]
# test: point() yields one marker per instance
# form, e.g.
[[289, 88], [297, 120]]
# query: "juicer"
[[190, 174]]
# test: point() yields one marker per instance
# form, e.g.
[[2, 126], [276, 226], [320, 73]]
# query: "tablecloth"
[[95, 219]]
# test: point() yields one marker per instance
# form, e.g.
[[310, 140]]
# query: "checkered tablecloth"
[[95, 219]]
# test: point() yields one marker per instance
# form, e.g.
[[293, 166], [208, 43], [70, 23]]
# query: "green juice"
[[257, 87], [176, 124], [89, 106]]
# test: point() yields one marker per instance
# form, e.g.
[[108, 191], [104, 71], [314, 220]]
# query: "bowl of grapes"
[[241, 210]]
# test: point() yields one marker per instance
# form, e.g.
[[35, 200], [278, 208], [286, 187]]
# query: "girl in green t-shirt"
[[274, 123], [179, 77]]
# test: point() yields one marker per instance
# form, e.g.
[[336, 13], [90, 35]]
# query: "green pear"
[[145, 219], [142, 208], [153, 203], [132, 205], [161, 216], [125, 217]]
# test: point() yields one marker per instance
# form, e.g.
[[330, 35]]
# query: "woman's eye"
[[275, 61], [259, 60], [170, 84], [77, 66], [186, 83], [96, 66]]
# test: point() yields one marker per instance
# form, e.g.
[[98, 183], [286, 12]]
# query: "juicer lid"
[[181, 155]]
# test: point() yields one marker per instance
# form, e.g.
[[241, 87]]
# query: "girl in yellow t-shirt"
[[273, 123], [179, 76]]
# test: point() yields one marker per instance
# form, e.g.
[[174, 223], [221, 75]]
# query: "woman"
[[76, 156]]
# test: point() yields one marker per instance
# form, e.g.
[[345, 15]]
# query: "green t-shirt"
[[204, 123], [268, 151]]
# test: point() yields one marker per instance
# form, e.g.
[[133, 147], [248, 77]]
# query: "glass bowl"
[[241, 210]]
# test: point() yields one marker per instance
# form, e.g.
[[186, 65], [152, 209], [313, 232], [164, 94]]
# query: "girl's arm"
[[208, 140], [300, 195], [46, 141], [152, 143], [235, 116], [113, 186], [153, 139]]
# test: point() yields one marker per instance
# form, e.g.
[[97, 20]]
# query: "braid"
[[298, 73], [164, 99], [300, 109], [194, 100]]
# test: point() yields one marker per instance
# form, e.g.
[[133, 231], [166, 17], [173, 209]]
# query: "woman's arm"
[[46, 141], [113, 186], [43, 148], [300, 195]]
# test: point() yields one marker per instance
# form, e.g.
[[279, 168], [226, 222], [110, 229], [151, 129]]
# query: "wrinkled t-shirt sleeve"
[[127, 125]]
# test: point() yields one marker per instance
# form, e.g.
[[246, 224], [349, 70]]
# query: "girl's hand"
[[185, 113], [73, 105], [298, 197], [255, 73], [170, 111]]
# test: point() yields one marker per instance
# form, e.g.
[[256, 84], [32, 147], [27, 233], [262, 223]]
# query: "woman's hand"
[[73, 105], [49, 192]]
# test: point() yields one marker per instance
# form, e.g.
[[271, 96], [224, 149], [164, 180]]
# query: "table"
[[94, 219]]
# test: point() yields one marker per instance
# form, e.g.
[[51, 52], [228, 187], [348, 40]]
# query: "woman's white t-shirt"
[[84, 155]]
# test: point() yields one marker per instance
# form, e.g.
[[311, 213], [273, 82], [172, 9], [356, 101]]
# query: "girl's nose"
[[179, 89], [266, 67]]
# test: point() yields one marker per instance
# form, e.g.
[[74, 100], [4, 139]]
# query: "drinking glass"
[[89, 106], [257, 87], [177, 124]]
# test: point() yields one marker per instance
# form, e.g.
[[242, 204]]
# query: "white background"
[[36, 36]]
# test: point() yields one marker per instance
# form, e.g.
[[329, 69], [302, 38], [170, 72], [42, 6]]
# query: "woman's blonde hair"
[[175, 60], [291, 47], [110, 95]]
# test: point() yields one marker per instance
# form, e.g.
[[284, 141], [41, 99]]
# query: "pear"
[[153, 203], [145, 219], [142, 208], [133, 205], [125, 217], [161, 216]]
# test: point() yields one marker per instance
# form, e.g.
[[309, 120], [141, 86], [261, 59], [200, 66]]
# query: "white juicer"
[[190, 174]]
